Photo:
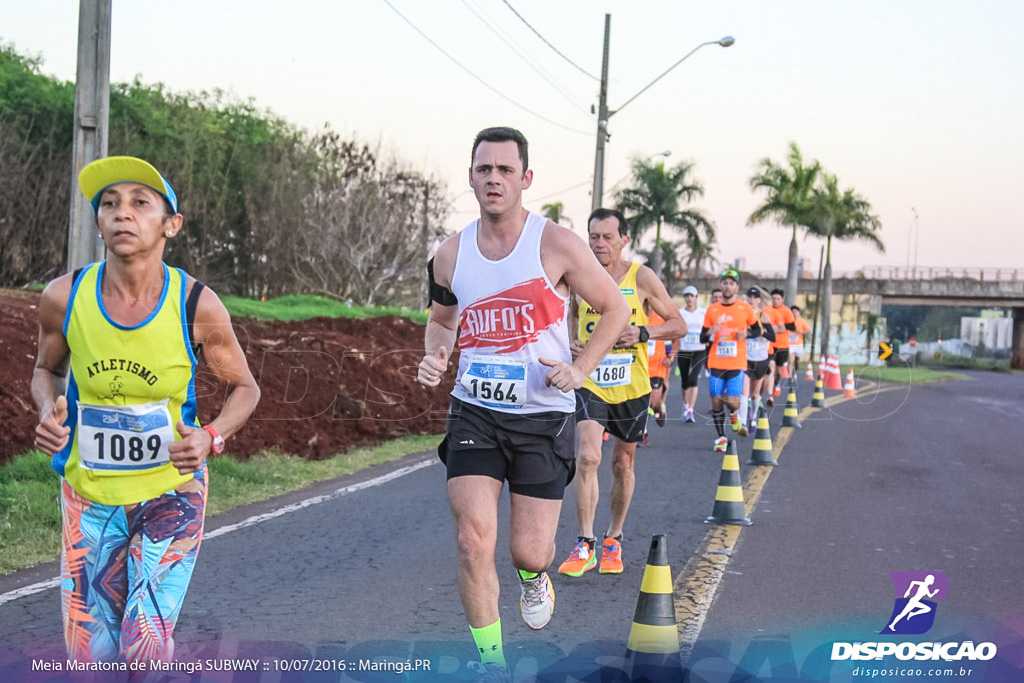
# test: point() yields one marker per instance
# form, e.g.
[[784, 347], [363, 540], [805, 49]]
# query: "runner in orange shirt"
[[785, 323], [727, 325], [796, 339], [658, 363]]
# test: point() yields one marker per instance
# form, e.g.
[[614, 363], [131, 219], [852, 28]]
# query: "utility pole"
[[602, 121], [425, 242], [603, 113], [92, 109]]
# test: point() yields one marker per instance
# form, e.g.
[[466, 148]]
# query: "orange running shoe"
[[582, 559], [611, 557]]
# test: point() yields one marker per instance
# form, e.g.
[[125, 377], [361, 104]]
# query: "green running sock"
[[488, 643], [526, 576]]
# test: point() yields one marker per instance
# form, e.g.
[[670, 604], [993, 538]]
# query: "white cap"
[[690, 289]]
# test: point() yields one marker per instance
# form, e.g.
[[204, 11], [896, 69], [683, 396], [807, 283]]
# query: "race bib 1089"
[[124, 439]]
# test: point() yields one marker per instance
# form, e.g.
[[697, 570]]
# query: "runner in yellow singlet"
[[114, 383], [616, 396]]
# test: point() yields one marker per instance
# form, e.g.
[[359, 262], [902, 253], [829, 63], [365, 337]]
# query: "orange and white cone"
[[832, 379], [849, 390], [810, 372]]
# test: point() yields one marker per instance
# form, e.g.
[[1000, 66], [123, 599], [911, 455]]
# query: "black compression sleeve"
[[441, 295]]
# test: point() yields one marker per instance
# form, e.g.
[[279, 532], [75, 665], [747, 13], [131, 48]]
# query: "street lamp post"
[[604, 113]]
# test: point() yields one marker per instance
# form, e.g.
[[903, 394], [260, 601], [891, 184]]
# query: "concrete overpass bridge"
[[868, 289]]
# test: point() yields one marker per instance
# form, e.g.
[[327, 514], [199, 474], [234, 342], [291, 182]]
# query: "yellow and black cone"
[[729, 496], [818, 398], [653, 645], [791, 415], [763, 453]]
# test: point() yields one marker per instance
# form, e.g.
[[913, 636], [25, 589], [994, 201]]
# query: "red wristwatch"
[[218, 441]]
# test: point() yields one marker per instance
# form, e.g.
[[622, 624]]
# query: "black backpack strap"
[[190, 315]]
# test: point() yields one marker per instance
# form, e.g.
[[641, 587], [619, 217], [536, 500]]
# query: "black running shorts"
[[535, 453], [691, 364], [781, 356], [626, 421], [756, 369], [657, 382]]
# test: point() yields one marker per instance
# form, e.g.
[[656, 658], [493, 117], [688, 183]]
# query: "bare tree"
[[363, 234]]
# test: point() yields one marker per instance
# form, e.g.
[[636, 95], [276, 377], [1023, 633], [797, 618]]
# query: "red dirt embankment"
[[328, 384]]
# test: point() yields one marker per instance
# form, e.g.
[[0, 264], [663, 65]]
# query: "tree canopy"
[[269, 208], [660, 196]]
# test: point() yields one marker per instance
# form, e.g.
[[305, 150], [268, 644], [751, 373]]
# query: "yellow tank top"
[[623, 374], [127, 389]]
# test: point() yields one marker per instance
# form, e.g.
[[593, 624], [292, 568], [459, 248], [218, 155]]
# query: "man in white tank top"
[[502, 285]]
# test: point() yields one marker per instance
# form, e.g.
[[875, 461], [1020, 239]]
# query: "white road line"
[[39, 587]]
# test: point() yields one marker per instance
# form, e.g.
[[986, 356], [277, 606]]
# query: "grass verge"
[[30, 519], [902, 374], [304, 306]]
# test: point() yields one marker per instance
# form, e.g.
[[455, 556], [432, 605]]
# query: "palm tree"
[[699, 257], [554, 212], [655, 199], [671, 259], [844, 216], [788, 200]]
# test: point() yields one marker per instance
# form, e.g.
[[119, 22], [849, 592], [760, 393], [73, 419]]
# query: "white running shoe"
[[538, 601]]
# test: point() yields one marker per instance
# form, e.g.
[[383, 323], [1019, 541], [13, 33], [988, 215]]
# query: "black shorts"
[[626, 421], [657, 382], [535, 453], [756, 369], [691, 364], [781, 357]]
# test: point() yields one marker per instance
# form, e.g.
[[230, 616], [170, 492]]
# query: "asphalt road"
[[923, 478]]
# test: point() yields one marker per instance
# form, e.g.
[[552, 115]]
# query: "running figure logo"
[[916, 592]]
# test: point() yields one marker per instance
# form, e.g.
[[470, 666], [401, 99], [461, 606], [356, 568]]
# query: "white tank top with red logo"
[[510, 315]]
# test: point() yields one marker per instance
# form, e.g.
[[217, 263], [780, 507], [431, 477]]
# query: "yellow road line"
[[695, 586]]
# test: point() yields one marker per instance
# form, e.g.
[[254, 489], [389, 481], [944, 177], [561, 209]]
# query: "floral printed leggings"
[[125, 570]]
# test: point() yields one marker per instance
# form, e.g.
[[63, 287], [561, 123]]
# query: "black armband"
[[754, 331], [791, 327], [705, 335], [441, 295]]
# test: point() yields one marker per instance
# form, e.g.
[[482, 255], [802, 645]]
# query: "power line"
[[559, 89], [555, 194], [557, 52], [477, 78]]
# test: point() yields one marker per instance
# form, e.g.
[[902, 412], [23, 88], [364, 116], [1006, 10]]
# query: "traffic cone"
[[729, 496], [791, 415], [832, 380], [653, 645], [810, 372], [849, 390], [763, 453], [818, 397]]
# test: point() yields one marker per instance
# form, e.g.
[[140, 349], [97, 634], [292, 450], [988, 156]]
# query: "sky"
[[916, 105]]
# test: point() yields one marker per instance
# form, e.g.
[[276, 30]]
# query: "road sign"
[[884, 351]]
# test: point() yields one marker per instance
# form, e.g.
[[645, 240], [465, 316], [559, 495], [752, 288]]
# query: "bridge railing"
[[916, 273], [941, 273]]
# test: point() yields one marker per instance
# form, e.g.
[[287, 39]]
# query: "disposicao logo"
[[916, 592], [913, 613]]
